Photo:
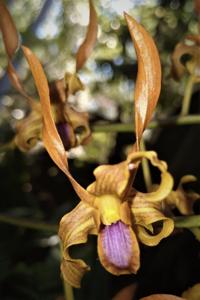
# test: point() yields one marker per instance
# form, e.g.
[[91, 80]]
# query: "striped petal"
[[147, 217], [74, 229], [118, 249]]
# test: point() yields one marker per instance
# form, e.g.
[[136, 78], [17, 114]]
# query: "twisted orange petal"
[[145, 215], [74, 229], [148, 82], [166, 183], [88, 44], [51, 138]]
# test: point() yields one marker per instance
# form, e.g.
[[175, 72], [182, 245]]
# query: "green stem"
[[180, 222], [68, 290], [145, 168], [187, 221], [172, 121], [187, 96], [27, 223]]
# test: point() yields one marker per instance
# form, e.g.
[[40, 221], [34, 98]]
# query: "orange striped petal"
[[74, 229]]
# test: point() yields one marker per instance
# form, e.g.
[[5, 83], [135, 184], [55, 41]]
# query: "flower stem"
[[28, 224], [187, 221], [187, 96], [145, 168], [172, 121]]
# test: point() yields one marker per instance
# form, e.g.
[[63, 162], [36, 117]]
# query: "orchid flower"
[[189, 46], [110, 207], [181, 199], [73, 126]]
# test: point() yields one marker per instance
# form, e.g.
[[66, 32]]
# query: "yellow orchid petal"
[[111, 179], [192, 293], [181, 199], [73, 84], [147, 213], [74, 229], [118, 249], [166, 183]]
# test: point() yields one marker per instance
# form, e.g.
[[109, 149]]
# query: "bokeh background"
[[32, 187]]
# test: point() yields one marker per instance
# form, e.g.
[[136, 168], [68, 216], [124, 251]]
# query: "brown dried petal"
[[74, 229], [148, 82], [192, 293], [9, 31], [88, 44], [51, 138]]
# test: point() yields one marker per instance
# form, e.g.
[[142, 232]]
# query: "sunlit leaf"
[[51, 138], [89, 42], [148, 82]]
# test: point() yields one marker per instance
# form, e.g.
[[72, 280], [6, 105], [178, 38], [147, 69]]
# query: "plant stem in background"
[[172, 121], [32, 224], [146, 168], [187, 96]]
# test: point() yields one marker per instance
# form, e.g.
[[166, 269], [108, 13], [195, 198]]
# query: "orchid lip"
[[63, 130], [116, 244]]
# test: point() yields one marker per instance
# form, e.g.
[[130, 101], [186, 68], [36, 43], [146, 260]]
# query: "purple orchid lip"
[[63, 130], [116, 244]]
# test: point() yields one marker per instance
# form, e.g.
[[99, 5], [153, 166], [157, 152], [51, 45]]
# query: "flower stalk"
[[187, 95]]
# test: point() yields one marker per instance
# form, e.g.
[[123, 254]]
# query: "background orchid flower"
[[110, 207], [73, 126], [189, 46], [181, 199]]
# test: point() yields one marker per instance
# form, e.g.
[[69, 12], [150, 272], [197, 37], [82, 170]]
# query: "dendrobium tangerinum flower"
[[72, 126], [110, 207]]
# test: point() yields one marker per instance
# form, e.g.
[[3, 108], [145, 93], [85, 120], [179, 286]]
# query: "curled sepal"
[[29, 131], [118, 249], [162, 297], [74, 229], [166, 183], [192, 66], [111, 179], [147, 89], [147, 214], [181, 199], [88, 44], [51, 138]]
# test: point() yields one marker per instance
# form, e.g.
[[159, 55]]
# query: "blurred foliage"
[[32, 187]]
